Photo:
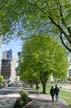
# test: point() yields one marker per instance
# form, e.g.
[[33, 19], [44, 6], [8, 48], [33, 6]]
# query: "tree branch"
[[64, 43], [57, 25], [62, 19], [52, 20], [59, 6], [61, 30], [37, 7]]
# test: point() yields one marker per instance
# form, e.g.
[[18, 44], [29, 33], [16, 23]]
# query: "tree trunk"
[[44, 87], [44, 78], [36, 84]]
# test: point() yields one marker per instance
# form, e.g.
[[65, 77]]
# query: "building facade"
[[8, 65], [70, 72]]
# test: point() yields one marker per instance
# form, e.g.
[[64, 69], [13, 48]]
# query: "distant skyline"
[[14, 44]]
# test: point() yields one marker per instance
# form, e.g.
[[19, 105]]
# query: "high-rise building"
[[9, 54], [70, 72], [8, 65]]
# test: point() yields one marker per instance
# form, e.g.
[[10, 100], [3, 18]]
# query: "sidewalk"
[[44, 101], [39, 101]]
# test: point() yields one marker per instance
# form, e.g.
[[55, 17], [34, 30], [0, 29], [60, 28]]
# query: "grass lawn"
[[66, 95]]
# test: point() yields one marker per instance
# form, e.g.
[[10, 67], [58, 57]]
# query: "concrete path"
[[7, 102], [8, 98], [39, 101], [44, 101]]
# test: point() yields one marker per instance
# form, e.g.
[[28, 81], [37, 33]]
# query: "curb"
[[29, 103]]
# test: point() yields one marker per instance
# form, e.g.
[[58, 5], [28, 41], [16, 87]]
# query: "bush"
[[23, 100], [18, 103], [1, 78]]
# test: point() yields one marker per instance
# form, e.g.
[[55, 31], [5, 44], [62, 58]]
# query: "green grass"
[[66, 95]]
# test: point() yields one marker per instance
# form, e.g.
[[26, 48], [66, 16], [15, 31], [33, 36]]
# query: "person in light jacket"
[[56, 90]]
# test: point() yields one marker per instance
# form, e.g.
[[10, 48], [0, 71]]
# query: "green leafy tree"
[[1, 78], [36, 16], [42, 56]]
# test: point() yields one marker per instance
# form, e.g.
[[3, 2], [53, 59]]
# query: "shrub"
[[23, 100], [1, 78]]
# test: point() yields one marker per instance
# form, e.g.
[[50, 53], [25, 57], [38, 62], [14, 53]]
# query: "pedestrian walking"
[[52, 93], [56, 90]]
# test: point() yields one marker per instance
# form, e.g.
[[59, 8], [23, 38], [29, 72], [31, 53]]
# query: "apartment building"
[[8, 65]]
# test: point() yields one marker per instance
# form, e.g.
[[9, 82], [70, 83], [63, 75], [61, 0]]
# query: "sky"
[[14, 44]]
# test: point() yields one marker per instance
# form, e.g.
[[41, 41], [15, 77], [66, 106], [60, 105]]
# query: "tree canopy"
[[42, 56], [37, 16]]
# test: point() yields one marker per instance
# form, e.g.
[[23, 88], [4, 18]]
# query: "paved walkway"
[[44, 101], [7, 102], [39, 101]]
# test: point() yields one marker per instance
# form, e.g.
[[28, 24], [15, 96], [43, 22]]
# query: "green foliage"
[[33, 16], [18, 103], [23, 100], [42, 56], [66, 96], [24, 95], [1, 78]]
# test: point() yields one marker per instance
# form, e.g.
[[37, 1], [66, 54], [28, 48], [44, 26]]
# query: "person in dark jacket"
[[52, 93], [56, 90]]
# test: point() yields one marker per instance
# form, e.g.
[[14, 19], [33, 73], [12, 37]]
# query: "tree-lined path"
[[44, 101], [39, 101]]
